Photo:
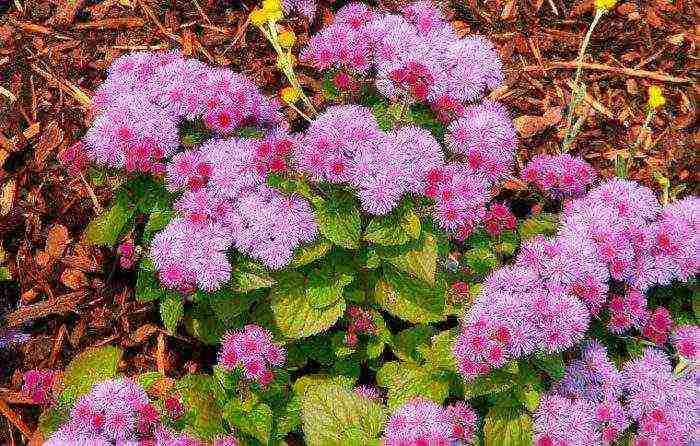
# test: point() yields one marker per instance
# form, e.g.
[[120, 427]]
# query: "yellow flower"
[[290, 95], [606, 5], [273, 8], [656, 97], [258, 17], [287, 39], [286, 61]]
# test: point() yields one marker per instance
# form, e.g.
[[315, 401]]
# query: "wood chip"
[[74, 279], [51, 138], [67, 303], [56, 241], [528, 126]]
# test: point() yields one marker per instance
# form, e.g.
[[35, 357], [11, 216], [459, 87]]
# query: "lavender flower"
[[419, 421], [253, 350], [686, 341], [10, 338], [559, 175], [486, 136]]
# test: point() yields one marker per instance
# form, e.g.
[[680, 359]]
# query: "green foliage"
[[172, 308], [198, 395], [106, 228], [251, 419], [157, 220], [481, 261], [89, 367], [417, 258], [405, 380], [5, 274], [148, 288], [408, 298], [543, 224], [294, 313], [397, 228], [338, 219], [332, 414], [507, 426]]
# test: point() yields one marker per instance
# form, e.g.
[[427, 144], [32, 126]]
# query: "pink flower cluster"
[[415, 54], [252, 349], [345, 145], [616, 232], [584, 408], [559, 176], [38, 385], [665, 406], [485, 136], [115, 411], [304, 8], [686, 340], [225, 204], [424, 422], [361, 321], [146, 95], [499, 219]]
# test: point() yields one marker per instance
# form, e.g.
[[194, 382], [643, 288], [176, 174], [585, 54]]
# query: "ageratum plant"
[[363, 271]]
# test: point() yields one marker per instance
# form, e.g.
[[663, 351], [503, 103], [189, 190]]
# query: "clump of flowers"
[[360, 322], [609, 235], [421, 421], [114, 411], [251, 349], [585, 406], [559, 176], [127, 254], [499, 219], [663, 405], [686, 341], [38, 385], [417, 55], [485, 136]]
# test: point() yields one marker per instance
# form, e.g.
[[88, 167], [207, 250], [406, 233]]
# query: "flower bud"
[[605, 5], [287, 39], [656, 97], [290, 95]]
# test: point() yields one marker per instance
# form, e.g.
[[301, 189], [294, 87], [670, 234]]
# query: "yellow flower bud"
[[258, 17], [289, 95], [606, 5], [287, 39], [656, 97], [273, 8]]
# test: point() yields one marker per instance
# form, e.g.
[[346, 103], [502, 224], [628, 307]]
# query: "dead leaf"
[[74, 279], [56, 241], [7, 197], [82, 258], [528, 126], [142, 334]]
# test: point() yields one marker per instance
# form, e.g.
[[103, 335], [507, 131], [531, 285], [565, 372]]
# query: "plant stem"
[[624, 167], [578, 92]]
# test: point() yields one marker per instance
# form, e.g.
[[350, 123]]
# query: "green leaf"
[[334, 415], [495, 382], [397, 228], [5, 274], [146, 193], [543, 224], [553, 365], [339, 219], [256, 422], [419, 259], [409, 299], [172, 308], [293, 311], [438, 355], [198, 394], [506, 243], [88, 368], [158, 220], [309, 253], [148, 287], [481, 261], [406, 342], [507, 426], [529, 397], [407, 380], [52, 418], [250, 276], [147, 379], [106, 228], [202, 322]]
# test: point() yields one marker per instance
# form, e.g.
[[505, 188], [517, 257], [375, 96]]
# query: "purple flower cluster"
[[114, 411], [415, 54], [584, 408], [38, 385], [665, 406], [146, 94], [304, 8], [422, 421], [611, 234], [499, 219], [226, 203], [686, 341], [252, 349], [559, 176], [485, 136], [345, 145]]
